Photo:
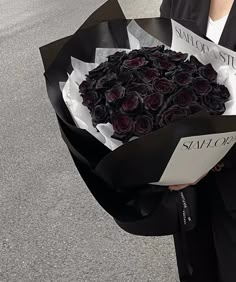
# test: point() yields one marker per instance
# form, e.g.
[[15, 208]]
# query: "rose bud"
[[153, 102], [143, 125], [201, 86], [115, 94], [130, 102], [122, 124]]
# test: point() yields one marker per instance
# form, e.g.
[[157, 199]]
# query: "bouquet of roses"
[[130, 93], [147, 89], [134, 112]]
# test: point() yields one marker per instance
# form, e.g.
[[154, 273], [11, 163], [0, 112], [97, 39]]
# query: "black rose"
[[87, 84], [153, 102], [149, 74], [164, 86], [142, 89], [130, 102], [134, 63], [176, 56], [125, 77], [212, 104], [166, 65], [143, 125], [170, 115], [99, 71], [208, 72], [195, 108], [99, 114], [220, 92], [122, 124], [117, 57], [201, 86], [106, 81], [187, 66], [183, 78], [90, 99], [184, 97], [115, 93]]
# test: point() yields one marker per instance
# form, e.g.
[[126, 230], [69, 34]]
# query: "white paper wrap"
[[139, 38]]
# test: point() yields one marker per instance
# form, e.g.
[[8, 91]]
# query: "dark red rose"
[[141, 88], [153, 102], [125, 77], [99, 71], [208, 72], [170, 115], [122, 124], [195, 108], [212, 104], [220, 92], [149, 74], [166, 65], [183, 78], [130, 102], [90, 99], [176, 56], [106, 81], [164, 86], [184, 97], [201, 86], [115, 94], [117, 57], [134, 63], [187, 66], [143, 125], [99, 114], [87, 84]]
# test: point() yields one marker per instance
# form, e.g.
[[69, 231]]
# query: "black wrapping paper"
[[119, 179]]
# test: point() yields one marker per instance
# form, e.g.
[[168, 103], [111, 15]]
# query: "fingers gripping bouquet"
[[137, 115]]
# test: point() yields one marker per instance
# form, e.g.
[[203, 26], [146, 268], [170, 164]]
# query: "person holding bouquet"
[[212, 244]]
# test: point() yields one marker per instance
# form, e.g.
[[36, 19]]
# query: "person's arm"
[[165, 9]]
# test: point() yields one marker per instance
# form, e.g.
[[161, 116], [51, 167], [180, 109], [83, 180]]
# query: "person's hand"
[[183, 186]]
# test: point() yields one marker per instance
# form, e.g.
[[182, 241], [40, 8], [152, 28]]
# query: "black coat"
[[194, 13]]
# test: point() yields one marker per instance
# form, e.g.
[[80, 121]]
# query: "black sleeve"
[[165, 9]]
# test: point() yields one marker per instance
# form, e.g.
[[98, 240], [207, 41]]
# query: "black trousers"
[[212, 244]]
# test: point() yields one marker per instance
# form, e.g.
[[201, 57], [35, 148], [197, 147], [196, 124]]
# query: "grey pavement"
[[51, 228]]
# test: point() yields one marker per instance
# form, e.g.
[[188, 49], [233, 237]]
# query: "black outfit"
[[212, 244]]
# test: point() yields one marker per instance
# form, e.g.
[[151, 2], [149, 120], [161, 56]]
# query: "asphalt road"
[[51, 228]]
